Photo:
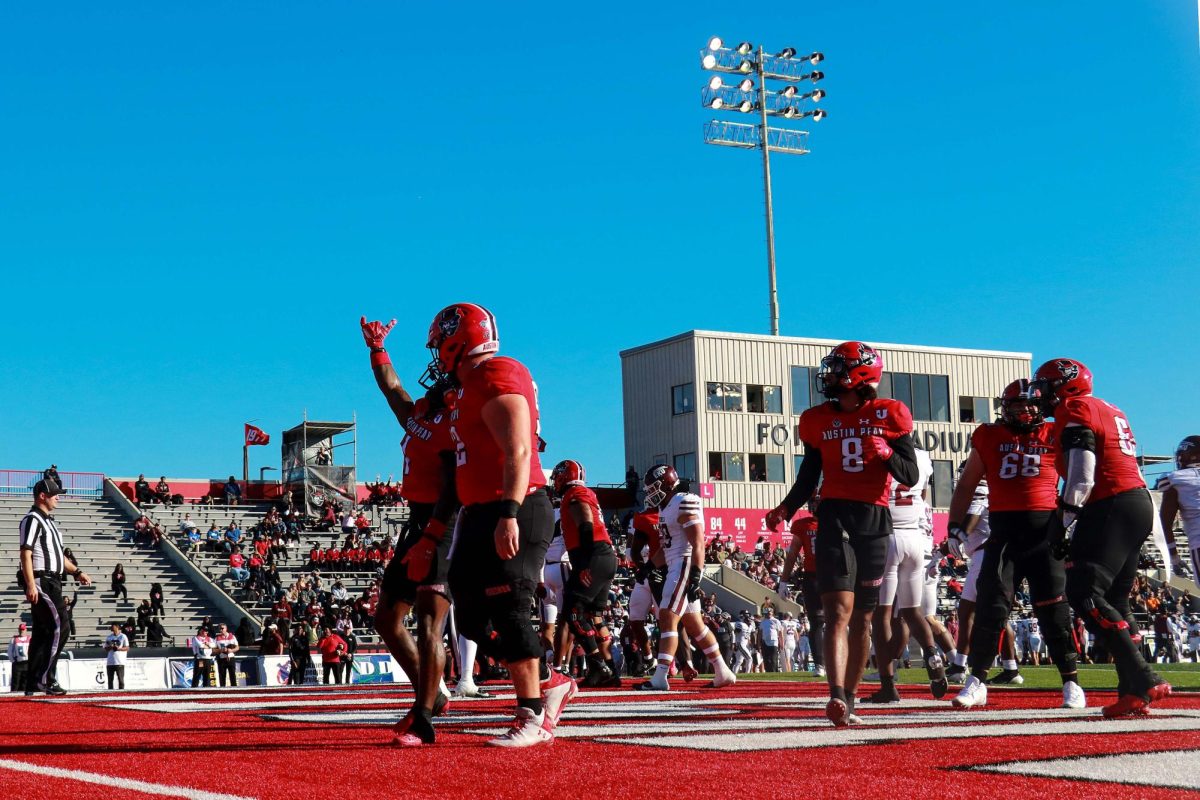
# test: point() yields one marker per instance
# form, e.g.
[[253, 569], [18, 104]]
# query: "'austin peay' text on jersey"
[[1018, 466]]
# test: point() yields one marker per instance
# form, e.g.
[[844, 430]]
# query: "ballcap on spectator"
[[46, 487], [21, 626]]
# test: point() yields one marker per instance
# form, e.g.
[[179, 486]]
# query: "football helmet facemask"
[[458, 331], [567, 473], [1188, 452], [1021, 406], [849, 366], [660, 482]]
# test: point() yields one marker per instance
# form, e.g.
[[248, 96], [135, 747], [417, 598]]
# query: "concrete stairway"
[[92, 529]]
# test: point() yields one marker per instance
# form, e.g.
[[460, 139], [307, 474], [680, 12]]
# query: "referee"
[[43, 570]]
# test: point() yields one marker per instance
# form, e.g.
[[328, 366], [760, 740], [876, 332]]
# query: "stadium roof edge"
[[760, 337]]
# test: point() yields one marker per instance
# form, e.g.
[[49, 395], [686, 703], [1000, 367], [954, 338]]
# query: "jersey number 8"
[[852, 455]]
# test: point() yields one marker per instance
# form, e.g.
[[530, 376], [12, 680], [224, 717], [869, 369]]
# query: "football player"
[[555, 638], [506, 520], [681, 534], [1105, 501], [804, 535], [593, 567], [415, 578], [855, 444], [904, 586], [650, 570], [1014, 456], [1181, 497]]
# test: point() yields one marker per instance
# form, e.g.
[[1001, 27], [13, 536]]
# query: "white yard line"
[[111, 781]]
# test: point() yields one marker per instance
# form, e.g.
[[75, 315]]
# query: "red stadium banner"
[[743, 526], [255, 435]]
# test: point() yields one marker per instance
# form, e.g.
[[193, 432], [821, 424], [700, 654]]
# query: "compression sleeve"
[[903, 464], [807, 477]]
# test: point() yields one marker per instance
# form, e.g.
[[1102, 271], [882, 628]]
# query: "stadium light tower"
[[784, 103]]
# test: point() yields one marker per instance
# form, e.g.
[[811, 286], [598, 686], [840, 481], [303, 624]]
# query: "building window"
[[685, 466], [683, 399], [802, 393], [726, 467], [975, 409], [941, 485], [927, 396], [764, 399], [724, 397], [766, 467]]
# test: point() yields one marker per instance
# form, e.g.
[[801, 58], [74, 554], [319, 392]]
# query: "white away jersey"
[[907, 503], [1186, 483], [979, 508], [674, 536], [557, 551]]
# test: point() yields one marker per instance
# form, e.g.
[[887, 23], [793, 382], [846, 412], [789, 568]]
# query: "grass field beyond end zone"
[[1091, 676]]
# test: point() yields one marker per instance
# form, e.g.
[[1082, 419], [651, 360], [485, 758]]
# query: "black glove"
[[642, 572], [693, 582], [1056, 536]]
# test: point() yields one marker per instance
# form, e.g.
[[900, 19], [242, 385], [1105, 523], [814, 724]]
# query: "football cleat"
[[838, 712], [612, 683], [883, 696], [819, 672], [956, 673], [938, 685], [1127, 705], [723, 678], [1008, 677], [528, 729], [1073, 696], [470, 691], [972, 695], [556, 693], [689, 673], [441, 704], [416, 732], [54, 689], [651, 686], [598, 675]]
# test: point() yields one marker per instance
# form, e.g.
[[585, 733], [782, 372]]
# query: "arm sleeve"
[[1080, 479], [807, 478], [903, 464]]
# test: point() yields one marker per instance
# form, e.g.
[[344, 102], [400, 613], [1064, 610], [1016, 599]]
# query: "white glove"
[[956, 542]]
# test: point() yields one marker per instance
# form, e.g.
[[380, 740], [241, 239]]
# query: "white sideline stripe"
[[1140, 769], [840, 737], [392, 716], [224, 694], [162, 789]]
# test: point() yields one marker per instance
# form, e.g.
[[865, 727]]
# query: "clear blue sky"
[[197, 203]]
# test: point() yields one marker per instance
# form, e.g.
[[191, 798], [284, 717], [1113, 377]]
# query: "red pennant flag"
[[256, 435]]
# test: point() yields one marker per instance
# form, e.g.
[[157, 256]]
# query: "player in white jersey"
[[555, 572], [681, 536], [791, 639], [904, 587], [742, 662], [1181, 497], [1193, 634]]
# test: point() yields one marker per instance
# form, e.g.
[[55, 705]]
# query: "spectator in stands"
[[316, 557], [226, 650], [202, 657], [157, 600], [271, 643], [332, 647], [142, 492], [324, 459], [52, 475], [233, 536], [348, 526], [195, 540], [237, 568], [155, 633], [144, 612], [245, 633], [187, 524], [162, 490], [213, 538], [299, 659], [130, 630], [118, 583], [141, 529], [156, 534], [233, 492]]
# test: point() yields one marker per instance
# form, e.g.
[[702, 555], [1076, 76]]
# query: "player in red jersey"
[[1105, 500], [650, 572], [593, 567], [415, 579], [800, 549], [855, 444], [506, 520], [1015, 456]]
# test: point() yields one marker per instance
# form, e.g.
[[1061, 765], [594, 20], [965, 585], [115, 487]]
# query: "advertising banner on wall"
[[245, 670], [91, 675], [744, 526]]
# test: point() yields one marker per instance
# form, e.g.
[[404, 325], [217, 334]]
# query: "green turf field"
[[1091, 676]]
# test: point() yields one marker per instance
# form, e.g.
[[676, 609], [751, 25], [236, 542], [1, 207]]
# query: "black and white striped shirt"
[[40, 535]]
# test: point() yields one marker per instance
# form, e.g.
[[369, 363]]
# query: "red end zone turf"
[[758, 740]]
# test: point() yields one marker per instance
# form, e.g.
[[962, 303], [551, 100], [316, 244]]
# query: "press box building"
[[723, 407]]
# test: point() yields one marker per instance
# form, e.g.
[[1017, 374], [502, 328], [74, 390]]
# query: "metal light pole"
[[744, 97]]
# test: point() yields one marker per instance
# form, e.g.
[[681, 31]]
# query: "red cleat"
[[1127, 705], [838, 712], [689, 674], [1159, 691], [401, 727], [409, 740]]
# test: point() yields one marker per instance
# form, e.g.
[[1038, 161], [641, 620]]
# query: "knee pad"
[[471, 621], [581, 622], [866, 598], [511, 619]]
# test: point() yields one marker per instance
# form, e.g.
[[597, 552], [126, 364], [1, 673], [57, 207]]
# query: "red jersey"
[[805, 527], [423, 440], [647, 523], [1116, 449], [581, 494], [1017, 466], [480, 461], [838, 435]]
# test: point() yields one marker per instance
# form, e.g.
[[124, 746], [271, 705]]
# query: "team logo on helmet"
[[448, 324], [1069, 370], [866, 355]]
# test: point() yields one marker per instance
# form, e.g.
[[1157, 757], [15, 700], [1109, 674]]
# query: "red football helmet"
[[567, 473], [850, 365], [1188, 452], [660, 482], [460, 330], [1021, 405], [1060, 378]]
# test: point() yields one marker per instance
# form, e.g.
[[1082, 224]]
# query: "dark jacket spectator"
[[155, 633], [142, 491], [271, 643], [233, 492], [52, 475], [118, 583]]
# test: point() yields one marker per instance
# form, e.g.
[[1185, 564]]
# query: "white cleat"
[[528, 729], [723, 679], [819, 672], [469, 691], [1073, 696], [557, 691], [972, 695]]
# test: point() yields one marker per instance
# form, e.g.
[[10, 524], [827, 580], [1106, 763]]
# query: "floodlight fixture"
[[709, 61], [745, 48], [788, 92], [715, 82], [787, 52], [715, 43], [746, 85]]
